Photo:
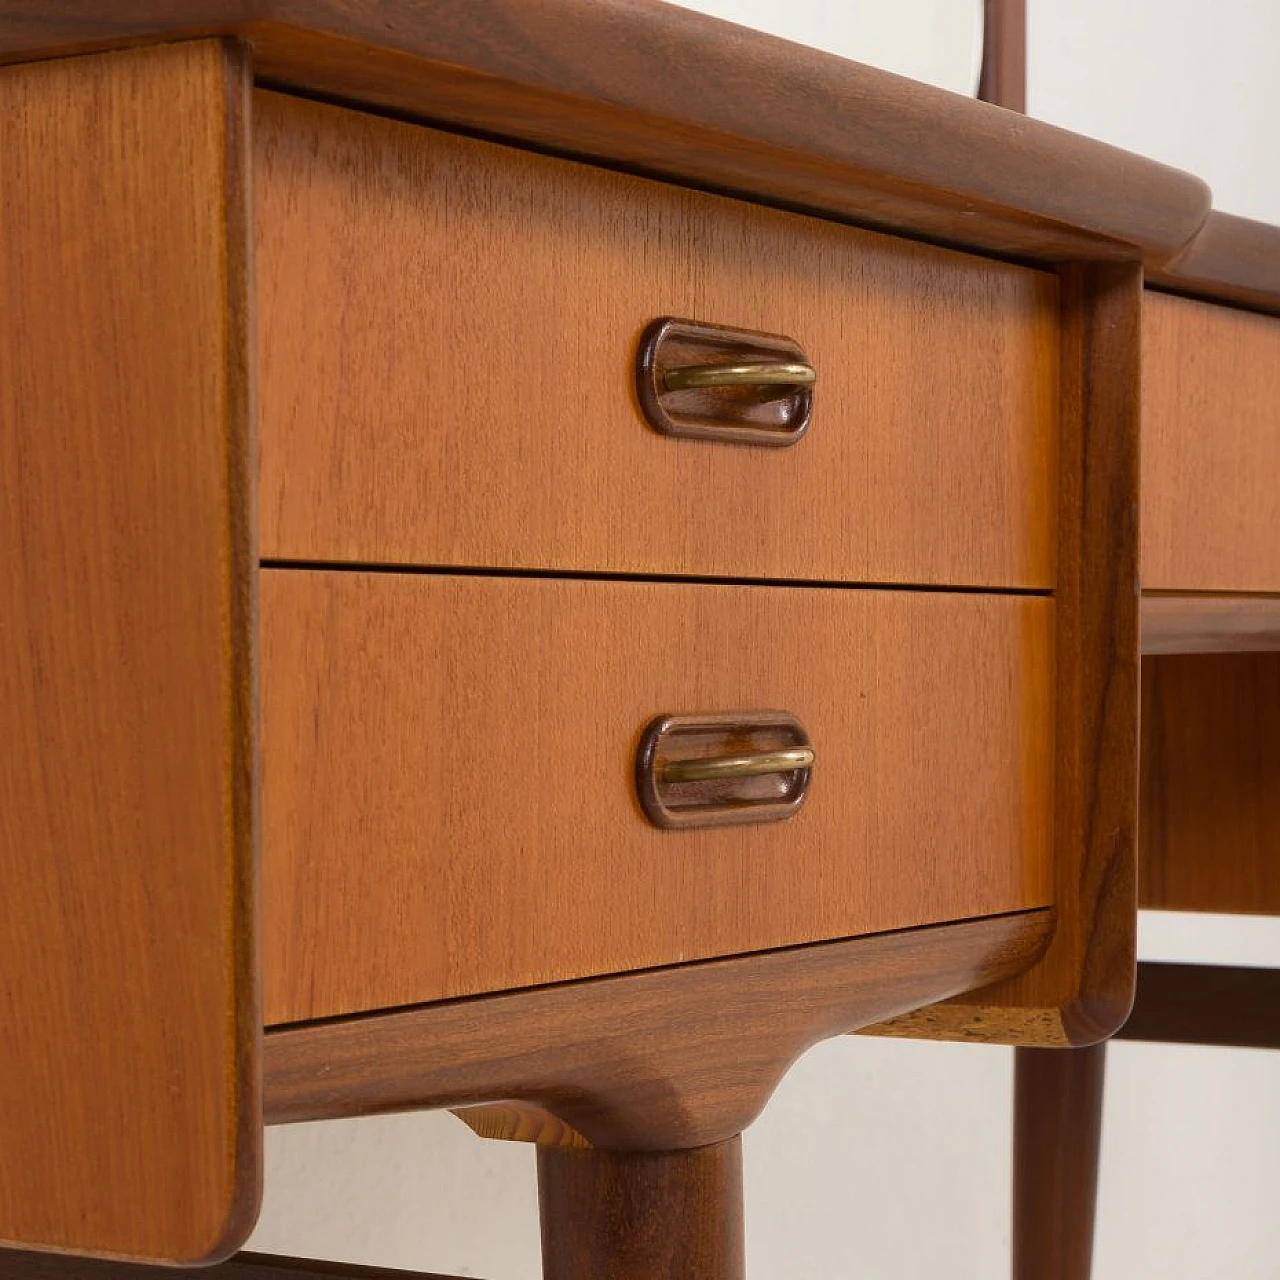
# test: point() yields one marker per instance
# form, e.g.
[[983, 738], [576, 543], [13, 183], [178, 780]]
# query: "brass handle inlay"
[[713, 770], [738, 766], [762, 374], [709, 382]]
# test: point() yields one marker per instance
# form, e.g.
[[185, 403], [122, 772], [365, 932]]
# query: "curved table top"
[[657, 89], [661, 90]]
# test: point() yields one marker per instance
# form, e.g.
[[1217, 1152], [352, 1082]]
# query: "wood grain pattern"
[[1210, 624], [1082, 989], [1004, 54], [662, 1060], [449, 775], [642, 1215], [1210, 819], [244, 1266], [511, 1121], [1211, 448], [128, 1098], [657, 88], [1231, 259], [1206, 1004], [447, 339], [1057, 1132]]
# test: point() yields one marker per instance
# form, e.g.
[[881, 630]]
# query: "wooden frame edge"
[[1082, 989], [1200, 623], [1231, 259], [242, 483]]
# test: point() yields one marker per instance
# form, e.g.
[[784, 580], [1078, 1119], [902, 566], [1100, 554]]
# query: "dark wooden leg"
[[1057, 1124], [642, 1215]]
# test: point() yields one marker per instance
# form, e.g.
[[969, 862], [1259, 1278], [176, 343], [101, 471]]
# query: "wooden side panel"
[[1082, 989], [448, 336], [1210, 819], [449, 775], [129, 1019], [1210, 447]]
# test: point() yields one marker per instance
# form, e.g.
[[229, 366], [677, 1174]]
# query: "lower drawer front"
[[449, 791]]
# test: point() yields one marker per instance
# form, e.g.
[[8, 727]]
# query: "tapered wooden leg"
[[1057, 1126], [640, 1215]]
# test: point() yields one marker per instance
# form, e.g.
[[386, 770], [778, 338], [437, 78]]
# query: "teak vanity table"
[[415, 649]]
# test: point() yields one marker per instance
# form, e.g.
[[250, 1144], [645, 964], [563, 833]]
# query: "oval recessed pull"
[[709, 382], [712, 770]]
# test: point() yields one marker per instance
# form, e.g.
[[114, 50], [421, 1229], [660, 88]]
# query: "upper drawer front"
[[447, 334], [448, 794], [1210, 447]]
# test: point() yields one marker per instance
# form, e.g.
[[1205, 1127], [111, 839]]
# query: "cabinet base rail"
[[660, 1060]]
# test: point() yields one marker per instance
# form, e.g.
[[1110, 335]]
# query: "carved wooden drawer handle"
[[707, 382], [714, 770]]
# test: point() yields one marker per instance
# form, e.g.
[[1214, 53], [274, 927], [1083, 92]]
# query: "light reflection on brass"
[[737, 766], [710, 382], [760, 374]]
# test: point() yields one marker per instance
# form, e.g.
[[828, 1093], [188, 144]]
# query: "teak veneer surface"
[[655, 1061], [129, 1020], [1210, 819], [1210, 447], [448, 775], [447, 342], [657, 88]]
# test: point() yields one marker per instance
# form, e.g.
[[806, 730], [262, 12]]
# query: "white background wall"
[[937, 41], [882, 1159], [1195, 83]]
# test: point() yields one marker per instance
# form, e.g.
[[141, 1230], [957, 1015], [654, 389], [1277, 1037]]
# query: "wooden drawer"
[[1210, 447], [449, 804], [447, 333]]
